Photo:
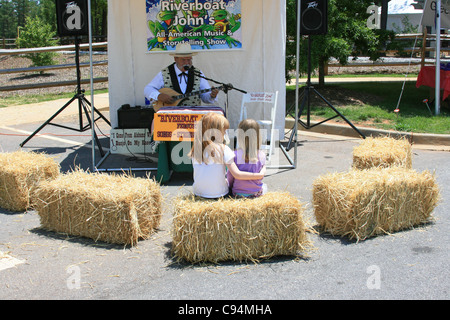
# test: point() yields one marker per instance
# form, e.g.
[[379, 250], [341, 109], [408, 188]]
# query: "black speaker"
[[314, 17], [136, 117], [72, 18]]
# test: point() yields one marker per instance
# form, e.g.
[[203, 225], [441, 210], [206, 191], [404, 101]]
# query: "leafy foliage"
[[37, 34], [13, 14], [348, 35]]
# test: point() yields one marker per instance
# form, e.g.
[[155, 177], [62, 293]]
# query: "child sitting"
[[248, 158], [211, 157]]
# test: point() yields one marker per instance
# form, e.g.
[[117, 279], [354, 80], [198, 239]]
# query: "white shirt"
[[151, 91], [210, 180]]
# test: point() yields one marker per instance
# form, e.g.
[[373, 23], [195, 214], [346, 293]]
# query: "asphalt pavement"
[[37, 264]]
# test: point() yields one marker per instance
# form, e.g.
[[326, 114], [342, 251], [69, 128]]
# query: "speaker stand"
[[306, 100], [83, 107]]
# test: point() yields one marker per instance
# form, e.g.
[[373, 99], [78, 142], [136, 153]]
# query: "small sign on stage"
[[179, 123], [261, 97], [175, 126], [130, 141]]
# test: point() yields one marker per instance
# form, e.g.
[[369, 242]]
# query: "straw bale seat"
[[238, 229], [20, 173], [382, 152], [363, 203], [111, 208]]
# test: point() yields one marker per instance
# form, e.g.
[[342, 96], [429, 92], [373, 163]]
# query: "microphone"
[[187, 68]]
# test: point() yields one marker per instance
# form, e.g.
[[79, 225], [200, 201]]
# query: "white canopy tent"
[[258, 67]]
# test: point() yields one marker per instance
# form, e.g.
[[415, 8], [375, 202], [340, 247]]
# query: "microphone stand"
[[226, 86]]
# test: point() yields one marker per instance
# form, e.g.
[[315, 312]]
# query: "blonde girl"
[[211, 157], [248, 158]]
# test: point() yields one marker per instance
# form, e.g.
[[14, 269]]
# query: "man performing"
[[181, 79]]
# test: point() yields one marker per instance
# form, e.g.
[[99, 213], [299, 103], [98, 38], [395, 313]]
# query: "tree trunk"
[[322, 64], [384, 14]]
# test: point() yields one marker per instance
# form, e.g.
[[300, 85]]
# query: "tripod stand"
[[306, 101], [83, 106]]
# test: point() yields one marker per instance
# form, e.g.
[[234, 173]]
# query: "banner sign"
[[204, 24], [429, 14], [261, 97], [175, 126], [130, 141], [179, 123]]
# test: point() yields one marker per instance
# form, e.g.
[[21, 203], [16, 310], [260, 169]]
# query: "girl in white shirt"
[[211, 157]]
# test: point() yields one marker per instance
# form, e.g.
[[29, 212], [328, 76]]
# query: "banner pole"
[[437, 99], [92, 85], [297, 86]]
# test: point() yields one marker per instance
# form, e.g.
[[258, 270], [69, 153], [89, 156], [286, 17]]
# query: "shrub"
[[37, 34]]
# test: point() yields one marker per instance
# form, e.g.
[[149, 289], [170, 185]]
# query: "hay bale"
[[238, 229], [111, 208], [382, 152], [363, 203], [20, 173]]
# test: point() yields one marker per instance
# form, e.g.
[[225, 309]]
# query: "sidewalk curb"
[[441, 140]]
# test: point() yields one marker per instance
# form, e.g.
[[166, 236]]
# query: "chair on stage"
[[258, 100]]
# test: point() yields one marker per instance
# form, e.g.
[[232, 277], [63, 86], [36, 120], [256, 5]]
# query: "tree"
[[37, 34], [47, 12], [99, 17], [24, 9], [13, 15], [8, 20], [348, 35]]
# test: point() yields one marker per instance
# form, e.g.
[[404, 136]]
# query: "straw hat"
[[183, 49]]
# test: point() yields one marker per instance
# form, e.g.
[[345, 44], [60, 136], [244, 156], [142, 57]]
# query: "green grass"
[[378, 108], [36, 98]]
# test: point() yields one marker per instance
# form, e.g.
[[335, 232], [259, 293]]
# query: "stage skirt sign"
[[130, 141], [204, 24], [179, 123]]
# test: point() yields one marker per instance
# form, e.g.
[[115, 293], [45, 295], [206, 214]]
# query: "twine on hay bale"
[[363, 203], [238, 229], [111, 208], [20, 173], [382, 152]]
